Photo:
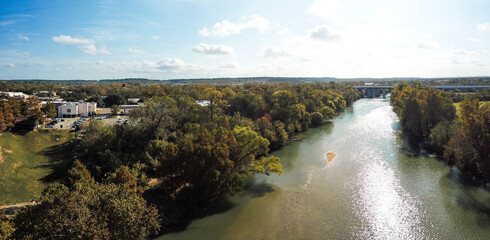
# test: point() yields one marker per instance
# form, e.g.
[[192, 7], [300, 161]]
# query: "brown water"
[[372, 190]]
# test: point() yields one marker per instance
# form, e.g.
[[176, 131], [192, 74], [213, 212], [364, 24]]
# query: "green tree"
[[115, 109], [316, 118], [90, 212], [78, 175], [215, 98], [50, 110], [6, 226]]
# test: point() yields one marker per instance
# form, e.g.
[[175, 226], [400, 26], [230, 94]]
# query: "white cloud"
[[6, 23], [22, 37], [473, 39], [427, 45], [136, 51], [155, 37], [228, 65], [214, 49], [168, 64], [323, 33], [283, 31], [485, 27], [327, 9], [92, 50], [275, 52], [11, 65], [67, 39], [462, 52], [27, 54], [226, 28]]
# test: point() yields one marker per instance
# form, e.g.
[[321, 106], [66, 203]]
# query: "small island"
[[331, 156]]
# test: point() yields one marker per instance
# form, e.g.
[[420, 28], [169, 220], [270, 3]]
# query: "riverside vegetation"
[[430, 115], [200, 154]]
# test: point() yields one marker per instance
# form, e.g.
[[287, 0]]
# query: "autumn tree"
[[215, 98], [89, 211], [6, 115], [50, 110], [469, 147]]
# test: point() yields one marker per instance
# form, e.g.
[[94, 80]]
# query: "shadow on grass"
[[60, 160]]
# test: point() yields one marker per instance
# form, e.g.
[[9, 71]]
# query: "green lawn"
[[31, 161]]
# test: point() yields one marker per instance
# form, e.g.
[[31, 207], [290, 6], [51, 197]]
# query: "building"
[[203, 103], [125, 109], [77, 109], [19, 95], [133, 101]]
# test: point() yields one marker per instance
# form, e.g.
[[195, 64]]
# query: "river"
[[375, 188]]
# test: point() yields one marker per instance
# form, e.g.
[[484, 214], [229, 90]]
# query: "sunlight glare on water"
[[371, 190], [386, 209]]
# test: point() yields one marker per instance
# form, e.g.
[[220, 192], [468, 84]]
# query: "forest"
[[462, 139], [175, 157]]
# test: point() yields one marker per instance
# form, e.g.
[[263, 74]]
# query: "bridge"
[[377, 91]]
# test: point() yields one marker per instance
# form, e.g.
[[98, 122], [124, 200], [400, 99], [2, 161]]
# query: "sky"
[[171, 39]]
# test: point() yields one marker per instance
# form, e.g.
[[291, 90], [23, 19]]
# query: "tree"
[[100, 211], [6, 227], [115, 99], [162, 155], [78, 175], [215, 98], [469, 148], [50, 110], [115, 109], [6, 116], [316, 118]]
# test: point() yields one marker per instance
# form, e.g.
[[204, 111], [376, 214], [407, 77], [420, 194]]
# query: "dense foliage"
[[421, 109], [429, 114], [200, 141], [11, 108], [469, 147], [87, 210], [204, 152]]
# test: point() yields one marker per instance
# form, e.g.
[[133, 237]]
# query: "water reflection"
[[372, 190]]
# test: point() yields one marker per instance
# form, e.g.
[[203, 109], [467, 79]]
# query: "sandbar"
[[331, 156]]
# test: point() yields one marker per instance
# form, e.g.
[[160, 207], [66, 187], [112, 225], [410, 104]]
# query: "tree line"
[[430, 115], [198, 153]]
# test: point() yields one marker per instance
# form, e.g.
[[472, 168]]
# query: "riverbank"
[[375, 192]]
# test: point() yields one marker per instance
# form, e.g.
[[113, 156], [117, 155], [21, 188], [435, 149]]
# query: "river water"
[[375, 188]]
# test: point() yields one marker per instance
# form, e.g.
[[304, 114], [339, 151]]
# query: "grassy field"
[[31, 161]]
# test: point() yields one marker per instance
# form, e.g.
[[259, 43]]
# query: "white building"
[[14, 95], [77, 109]]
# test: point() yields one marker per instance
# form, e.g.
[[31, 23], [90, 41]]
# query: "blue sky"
[[242, 38]]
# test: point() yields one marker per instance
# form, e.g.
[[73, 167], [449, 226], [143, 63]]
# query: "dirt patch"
[[1, 159], [9, 210], [331, 156], [7, 151]]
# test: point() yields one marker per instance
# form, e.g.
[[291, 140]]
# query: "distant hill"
[[449, 80]]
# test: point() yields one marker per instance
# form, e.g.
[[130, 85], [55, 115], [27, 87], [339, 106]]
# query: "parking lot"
[[68, 123]]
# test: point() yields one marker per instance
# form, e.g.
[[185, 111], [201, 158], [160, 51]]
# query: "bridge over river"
[[376, 91]]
